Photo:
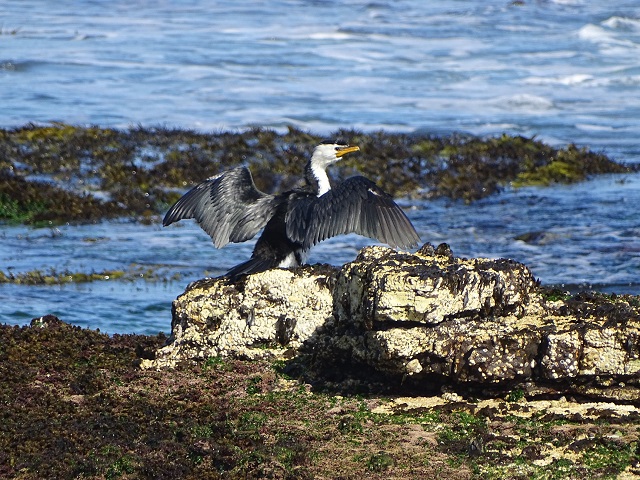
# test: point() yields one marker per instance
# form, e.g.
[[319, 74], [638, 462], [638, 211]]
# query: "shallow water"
[[565, 70], [585, 237]]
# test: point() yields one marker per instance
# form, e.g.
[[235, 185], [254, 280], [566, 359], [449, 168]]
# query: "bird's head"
[[327, 153]]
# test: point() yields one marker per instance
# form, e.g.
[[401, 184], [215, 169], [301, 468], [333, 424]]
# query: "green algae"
[[75, 405], [16, 211], [54, 277], [471, 168], [60, 173], [569, 165], [59, 132], [40, 203]]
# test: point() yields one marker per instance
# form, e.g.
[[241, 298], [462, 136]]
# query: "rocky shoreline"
[[64, 173], [415, 323], [76, 404], [342, 399], [396, 365]]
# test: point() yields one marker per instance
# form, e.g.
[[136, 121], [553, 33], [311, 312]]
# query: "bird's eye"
[[336, 148]]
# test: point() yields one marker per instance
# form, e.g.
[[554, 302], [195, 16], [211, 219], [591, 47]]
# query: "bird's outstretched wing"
[[356, 206], [227, 206]]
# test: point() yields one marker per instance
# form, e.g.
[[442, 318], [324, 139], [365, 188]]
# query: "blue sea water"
[[566, 71]]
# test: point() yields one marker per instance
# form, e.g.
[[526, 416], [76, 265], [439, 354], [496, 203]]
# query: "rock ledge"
[[401, 321]]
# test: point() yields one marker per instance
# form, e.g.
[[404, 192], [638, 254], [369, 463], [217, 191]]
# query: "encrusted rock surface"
[[420, 321], [427, 287], [263, 314], [433, 313]]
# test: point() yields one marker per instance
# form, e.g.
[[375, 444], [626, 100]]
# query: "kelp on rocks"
[[64, 173]]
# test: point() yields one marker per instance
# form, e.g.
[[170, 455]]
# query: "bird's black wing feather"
[[227, 206], [357, 205], [298, 216]]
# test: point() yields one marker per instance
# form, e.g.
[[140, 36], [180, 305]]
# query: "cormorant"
[[230, 208]]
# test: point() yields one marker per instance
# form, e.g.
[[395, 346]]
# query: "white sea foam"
[[607, 37], [331, 35], [575, 79], [595, 33], [623, 23], [438, 64], [594, 128]]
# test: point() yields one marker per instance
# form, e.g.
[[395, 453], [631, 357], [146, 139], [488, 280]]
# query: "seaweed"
[[76, 405], [64, 173]]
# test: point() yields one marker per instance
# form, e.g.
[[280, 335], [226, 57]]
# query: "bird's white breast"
[[290, 260]]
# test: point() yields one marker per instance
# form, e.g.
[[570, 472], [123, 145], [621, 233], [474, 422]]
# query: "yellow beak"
[[345, 150]]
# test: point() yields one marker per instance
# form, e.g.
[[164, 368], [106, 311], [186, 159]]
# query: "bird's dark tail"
[[253, 265]]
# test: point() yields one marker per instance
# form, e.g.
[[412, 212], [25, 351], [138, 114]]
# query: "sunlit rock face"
[[262, 315], [416, 321], [432, 313]]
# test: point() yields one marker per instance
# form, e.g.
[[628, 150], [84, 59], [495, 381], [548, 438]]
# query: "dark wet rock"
[[415, 322], [537, 237], [47, 321]]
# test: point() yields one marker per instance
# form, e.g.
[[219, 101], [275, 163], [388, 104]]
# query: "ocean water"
[[566, 71]]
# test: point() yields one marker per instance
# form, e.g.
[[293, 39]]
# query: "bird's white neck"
[[321, 177]]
